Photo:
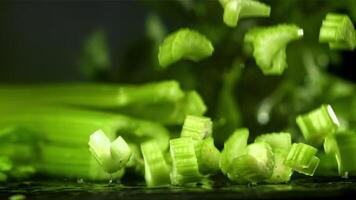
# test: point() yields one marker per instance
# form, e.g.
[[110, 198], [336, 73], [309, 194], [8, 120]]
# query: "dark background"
[[41, 40]]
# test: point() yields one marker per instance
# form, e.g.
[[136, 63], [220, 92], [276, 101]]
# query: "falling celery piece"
[[275, 39], [156, 168], [302, 159], [185, 167], [208, 156], [197, 127], [71, 162], [95, 56], [238, 9], [338, 31], [318, 123], [280, 144], [49, 122], [184, 44], [93, 95], [169, 113], [112, 156], [234, 146], [255, 165]]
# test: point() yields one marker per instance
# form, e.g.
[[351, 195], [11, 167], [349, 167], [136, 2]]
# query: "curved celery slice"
[[156, 168], [112, 156], [269, 46], [278, 141], [317, 124], [184, 44], [197, 127], [302, 159], [184, 162], [234, 146], [208, 156], [254, 166], [338, 31], [237, 9], [94, 95]]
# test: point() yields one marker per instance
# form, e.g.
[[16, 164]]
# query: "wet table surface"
[[301, 188]]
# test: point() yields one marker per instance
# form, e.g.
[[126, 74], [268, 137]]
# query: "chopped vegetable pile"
[[184, 126]]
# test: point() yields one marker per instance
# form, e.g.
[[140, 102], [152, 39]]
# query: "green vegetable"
[[269, 46], [234, 146], [49, 120], [338, 31], [93, 95], [238, 9], [302, 159], [156, 168], [317, 124], [254, 166], [184, 44], [169, 113], [280, 144], [112, 156], [197, 127], [278, 141], [185, 167], [208, 156], [344, 149]]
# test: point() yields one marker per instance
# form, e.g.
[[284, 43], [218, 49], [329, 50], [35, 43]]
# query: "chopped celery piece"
[[282, 141], [338, 31], [280, 144], [234, 146], [156, 168], [274, 39], [184, 162], [197, 127], [281, 173], [317, 124], [184, 44], [94, 95], [237, 9], [254, 166], [302, 159], [112, 156], [208, 156]]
